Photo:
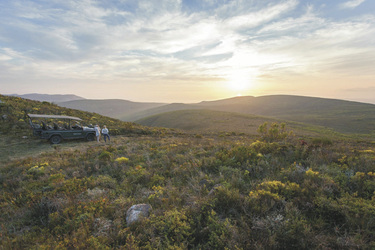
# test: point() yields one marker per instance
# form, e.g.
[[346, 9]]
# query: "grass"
[[16, 147], [206, 192]]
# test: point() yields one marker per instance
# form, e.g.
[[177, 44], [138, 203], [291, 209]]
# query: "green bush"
[[276, 132], [324, 141], [105, 156]]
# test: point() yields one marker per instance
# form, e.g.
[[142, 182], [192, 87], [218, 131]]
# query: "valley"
[[339, 115]]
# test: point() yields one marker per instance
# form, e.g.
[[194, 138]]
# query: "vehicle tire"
[[55, 139], [90, 137]]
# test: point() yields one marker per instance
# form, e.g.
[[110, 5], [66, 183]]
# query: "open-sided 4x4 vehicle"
[[55, 128]]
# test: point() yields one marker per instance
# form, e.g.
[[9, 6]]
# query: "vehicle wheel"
[[55, 139], [90, 137]]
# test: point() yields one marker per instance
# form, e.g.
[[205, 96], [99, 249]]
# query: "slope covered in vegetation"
[[339, 115], [206, 192], [14, 112], [343, 116], [211, 121], [16, 134]]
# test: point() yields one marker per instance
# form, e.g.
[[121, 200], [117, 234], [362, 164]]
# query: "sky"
[[188, 50]]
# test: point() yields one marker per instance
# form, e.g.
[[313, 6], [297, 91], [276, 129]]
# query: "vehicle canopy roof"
[[54, 117]]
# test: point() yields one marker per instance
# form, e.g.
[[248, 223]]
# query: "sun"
[[238, 86], [239, 82]]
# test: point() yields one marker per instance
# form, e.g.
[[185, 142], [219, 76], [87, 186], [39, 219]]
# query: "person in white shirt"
[[97, 132], [105, 133]]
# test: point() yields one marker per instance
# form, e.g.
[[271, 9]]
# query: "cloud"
[[351, 4], [255, 18], [310, 44], [180, 41], [77, 30]]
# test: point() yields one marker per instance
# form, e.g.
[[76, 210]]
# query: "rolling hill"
[[342, 116], [116, 108], [211, 121], [160, 110], [50, 98]]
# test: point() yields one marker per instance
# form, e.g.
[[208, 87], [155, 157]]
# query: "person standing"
[[97, 132], [105, 133]]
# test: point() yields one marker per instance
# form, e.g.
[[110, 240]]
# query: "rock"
[[137, 212]]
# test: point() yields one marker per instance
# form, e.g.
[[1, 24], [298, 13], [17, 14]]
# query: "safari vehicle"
[[56, 128]]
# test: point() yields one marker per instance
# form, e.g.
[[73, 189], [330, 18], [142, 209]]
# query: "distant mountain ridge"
[[115, 108], [50, 98]]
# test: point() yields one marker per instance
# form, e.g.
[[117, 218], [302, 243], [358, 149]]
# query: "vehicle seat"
[[44, 126]]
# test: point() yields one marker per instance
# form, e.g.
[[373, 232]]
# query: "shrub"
[[265, 147], [209, 231], [105, 156], [262, 201], [105, 181], [322, 141], [295, 231], [122, 160], [169, 230], [276, 132], [237, 156], [228, 202]]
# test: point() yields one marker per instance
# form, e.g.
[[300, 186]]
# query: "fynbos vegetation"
[[206, 192]]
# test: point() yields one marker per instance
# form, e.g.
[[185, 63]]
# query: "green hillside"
[[211, 121], [210, 191], [15, 109], [16, 134], [341, 116], [160, 110], [119, 109]]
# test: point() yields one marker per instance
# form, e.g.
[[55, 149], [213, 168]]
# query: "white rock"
[[137, 212]]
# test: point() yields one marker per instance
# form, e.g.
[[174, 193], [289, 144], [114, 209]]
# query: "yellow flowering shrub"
[[122, 160], [312, 173]]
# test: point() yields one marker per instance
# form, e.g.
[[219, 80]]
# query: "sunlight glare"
[[239, 81]]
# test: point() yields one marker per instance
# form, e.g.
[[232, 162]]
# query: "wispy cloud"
[[352, 4]]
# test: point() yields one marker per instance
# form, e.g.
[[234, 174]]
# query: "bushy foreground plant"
[[276, 132], [206, 192]]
